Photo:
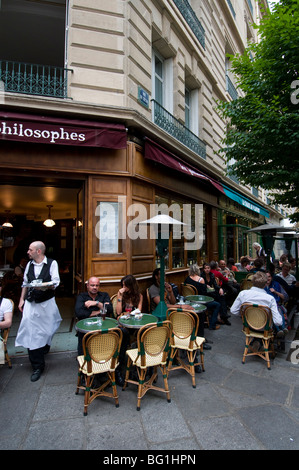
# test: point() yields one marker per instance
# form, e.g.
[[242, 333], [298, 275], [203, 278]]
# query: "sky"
[[272, 1]]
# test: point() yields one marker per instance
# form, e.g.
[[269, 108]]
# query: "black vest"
[[36, 295]]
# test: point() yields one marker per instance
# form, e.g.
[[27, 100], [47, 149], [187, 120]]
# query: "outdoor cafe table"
[[198, 299], [135, 323], [91, 324]]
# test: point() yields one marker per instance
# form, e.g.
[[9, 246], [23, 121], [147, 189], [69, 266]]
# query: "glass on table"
[[128, 308]]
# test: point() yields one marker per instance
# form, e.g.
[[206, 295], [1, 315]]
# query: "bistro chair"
[[257, 325], [188, 289], [246, 284], [148, 299], [184, 337], [100, 356], [249, 276], [113, 300], [153, 342], [5, 335]]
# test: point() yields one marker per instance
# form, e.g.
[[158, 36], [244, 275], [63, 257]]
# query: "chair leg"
[[201, 362], [141, 373], [87, 393], [114, 389], [164, 371], [245, 349], [266, 351], [129, 362], [191, 358], [7, 358]]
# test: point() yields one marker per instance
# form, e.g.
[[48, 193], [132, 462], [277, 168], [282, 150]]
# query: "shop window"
[[109, 227], [182, 247]]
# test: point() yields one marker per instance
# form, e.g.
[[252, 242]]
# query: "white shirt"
[[255, 295], [54, 272], [289, 278], [5, 307]]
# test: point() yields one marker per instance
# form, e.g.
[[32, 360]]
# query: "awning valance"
[[159, 154], [61, 131], [244, 201], [155, 152]]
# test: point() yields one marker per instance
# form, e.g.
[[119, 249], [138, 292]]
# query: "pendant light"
[[7, 223], [49, 222]]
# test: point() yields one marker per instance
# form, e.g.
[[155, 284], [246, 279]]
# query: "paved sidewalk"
[[234, 406]]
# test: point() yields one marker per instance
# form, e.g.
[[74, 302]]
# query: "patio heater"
[[162, 225]]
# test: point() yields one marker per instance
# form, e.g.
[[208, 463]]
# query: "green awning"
[[245, 202]]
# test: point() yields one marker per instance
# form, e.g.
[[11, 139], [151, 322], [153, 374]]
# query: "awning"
[[59, 131], [244, 201], [156, 153], [159, 154]]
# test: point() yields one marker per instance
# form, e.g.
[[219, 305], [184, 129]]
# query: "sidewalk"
[[234, 406]]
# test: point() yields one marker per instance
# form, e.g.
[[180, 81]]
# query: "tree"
[[262, 136]]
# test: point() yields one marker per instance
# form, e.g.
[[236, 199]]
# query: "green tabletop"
[[201, 299], [91, 324], [133, 322]]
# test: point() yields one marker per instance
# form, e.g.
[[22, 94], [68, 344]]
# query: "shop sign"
[[62, 131]]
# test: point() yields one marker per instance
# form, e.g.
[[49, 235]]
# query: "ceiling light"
[[7, 223], [49, 222]]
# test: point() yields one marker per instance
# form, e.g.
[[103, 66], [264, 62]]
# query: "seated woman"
[[129, 296], [276, 290], [218, 294]]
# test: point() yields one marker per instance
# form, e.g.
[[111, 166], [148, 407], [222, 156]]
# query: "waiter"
[[41, 317]]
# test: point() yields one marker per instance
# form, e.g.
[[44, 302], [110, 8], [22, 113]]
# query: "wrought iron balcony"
[[231, 88], [34, 79], [176, 129], [190, 16]]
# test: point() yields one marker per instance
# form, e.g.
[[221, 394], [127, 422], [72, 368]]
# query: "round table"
[[91, 324], [134, 323], [198, 299]]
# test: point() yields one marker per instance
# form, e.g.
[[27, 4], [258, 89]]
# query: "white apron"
[[39, 324]]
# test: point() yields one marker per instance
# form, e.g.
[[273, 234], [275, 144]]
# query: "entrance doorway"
[[26, 206]]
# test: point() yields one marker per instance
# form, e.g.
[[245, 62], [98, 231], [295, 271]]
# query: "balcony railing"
[[230, 88], [34, 79], [172, 126], [192, 20]]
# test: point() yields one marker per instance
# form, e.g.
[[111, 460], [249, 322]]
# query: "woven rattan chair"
[[152, 350], [184, 337], [188, 289], [100, 355], [5, 335], [246, 284], [148, 299], [113, 300], [257, 325]]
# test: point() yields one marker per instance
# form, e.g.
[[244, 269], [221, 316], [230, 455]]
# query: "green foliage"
[[262, 137]]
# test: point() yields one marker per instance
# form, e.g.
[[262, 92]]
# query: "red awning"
[[155, 152], [61, 131]]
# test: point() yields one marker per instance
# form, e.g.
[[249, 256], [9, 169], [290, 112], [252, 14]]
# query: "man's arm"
[[7, 320]]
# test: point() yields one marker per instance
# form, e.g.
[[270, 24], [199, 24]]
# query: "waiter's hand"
[[21, 305]]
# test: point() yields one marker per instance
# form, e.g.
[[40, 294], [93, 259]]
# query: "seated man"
[[257, 295], [154, 292], [90, 303]]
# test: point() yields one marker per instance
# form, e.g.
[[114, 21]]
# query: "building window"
[[108, 228]]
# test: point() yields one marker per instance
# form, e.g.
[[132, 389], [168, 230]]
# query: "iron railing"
[[191, 18], [34, 79], [231, 89], [176, 129]]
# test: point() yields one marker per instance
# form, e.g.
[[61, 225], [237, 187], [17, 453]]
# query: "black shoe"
[[206, 346], [226, 321], [119, 378], [36, 375], [197, 369]]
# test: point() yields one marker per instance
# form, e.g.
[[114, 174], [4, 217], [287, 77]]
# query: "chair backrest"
[[154, 340], [101, 346], [249, 275], [148, 299], [113, 300], [256, 317], [184, 323], [246, 284], [188, 289]]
